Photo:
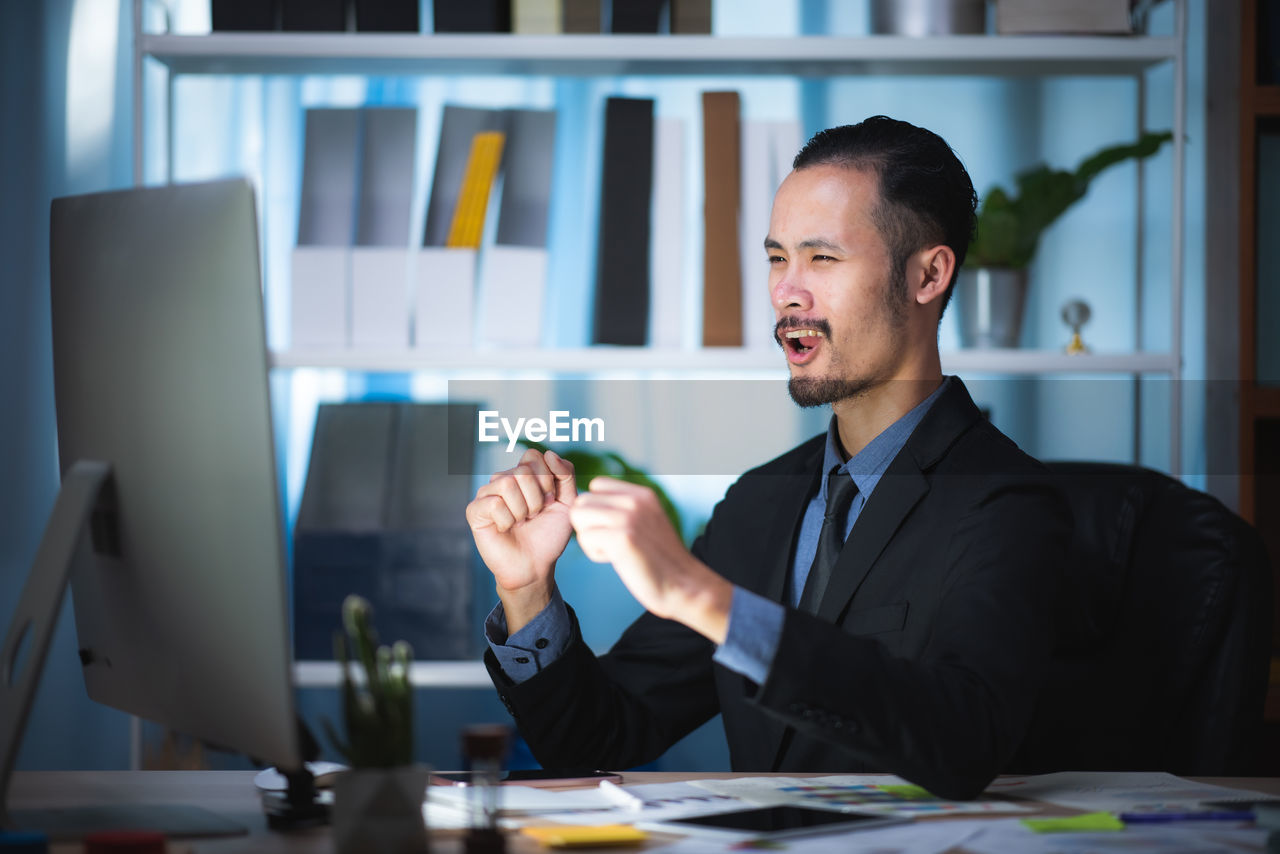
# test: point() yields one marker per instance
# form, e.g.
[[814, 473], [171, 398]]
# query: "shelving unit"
[[762, 363], [805, 57]]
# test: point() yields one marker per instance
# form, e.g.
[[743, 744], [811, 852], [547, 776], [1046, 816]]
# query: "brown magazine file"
[[721, 265]]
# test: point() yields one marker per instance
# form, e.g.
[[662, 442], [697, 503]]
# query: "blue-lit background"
[[67, 94]]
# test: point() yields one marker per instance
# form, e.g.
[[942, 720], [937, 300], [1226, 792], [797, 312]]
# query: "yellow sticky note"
[[585, 835], [1087, 823]]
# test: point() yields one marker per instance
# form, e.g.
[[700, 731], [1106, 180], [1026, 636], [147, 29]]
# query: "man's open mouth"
[[802, 340]]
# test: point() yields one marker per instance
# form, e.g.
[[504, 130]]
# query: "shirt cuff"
[[536, 645], [755, 625]]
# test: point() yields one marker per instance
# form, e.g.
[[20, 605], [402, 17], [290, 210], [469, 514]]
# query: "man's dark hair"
[[926, 197]]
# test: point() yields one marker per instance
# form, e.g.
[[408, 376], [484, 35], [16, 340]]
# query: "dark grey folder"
[[388, 16], [313, 16], [327, 210], [622, 259], [383, 517], [386, 183], [472, 16], [526, 183], [637, 16], [244, 15]]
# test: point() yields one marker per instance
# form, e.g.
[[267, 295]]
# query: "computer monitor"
[[170, 497]]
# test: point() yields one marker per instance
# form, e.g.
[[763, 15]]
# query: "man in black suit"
[[876, 599]]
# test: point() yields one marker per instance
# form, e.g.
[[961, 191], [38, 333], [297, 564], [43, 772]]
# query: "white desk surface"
[[232, 794]]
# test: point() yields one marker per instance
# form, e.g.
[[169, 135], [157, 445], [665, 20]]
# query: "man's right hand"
[[520, 522]]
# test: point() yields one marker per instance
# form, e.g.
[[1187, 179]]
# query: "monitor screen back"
[[160, 370]]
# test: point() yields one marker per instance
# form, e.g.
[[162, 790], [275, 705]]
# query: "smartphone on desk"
[[531, 777]]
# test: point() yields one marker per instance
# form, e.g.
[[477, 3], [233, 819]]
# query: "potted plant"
[[377, 804], [993, 282]]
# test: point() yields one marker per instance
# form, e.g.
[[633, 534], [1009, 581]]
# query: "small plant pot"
[[928, 17], [380, 809], [991, 301]]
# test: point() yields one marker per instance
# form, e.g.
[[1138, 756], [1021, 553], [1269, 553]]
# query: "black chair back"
[[1165, 632]]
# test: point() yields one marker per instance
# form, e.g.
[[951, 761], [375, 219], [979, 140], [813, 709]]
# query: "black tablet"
[[777, 822]]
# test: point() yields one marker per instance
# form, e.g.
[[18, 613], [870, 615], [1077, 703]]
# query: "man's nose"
[[790, 293]]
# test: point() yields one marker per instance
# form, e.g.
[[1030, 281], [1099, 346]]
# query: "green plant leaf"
[[1009, 227]]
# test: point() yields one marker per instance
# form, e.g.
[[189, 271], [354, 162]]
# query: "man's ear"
[[937, 264]]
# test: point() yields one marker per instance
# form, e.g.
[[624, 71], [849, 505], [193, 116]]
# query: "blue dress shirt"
[[755, 623]]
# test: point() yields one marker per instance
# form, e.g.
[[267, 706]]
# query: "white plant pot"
[[928, 17], [380, 810]]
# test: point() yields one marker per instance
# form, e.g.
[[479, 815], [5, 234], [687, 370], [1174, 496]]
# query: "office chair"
[[1164, 632]]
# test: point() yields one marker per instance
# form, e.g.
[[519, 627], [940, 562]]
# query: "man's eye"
[[776, 259], [823, 258]]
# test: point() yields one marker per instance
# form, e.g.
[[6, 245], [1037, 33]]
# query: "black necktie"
[[840, 492]]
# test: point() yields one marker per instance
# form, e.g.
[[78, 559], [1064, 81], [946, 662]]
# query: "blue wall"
[[66, 730], [50, 150]]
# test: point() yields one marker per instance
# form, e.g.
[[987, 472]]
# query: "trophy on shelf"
[[1076, 313]]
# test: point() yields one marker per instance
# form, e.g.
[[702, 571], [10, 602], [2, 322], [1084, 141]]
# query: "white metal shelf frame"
[[726, 359], [622, 55]]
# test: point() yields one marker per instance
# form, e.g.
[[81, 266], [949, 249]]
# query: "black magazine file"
[[383, 516]]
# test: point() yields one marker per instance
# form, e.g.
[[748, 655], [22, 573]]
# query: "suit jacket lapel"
[[897, 493], [901, 488], [791, 494]]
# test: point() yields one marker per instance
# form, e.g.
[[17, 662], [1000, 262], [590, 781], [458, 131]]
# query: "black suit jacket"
[[924, 659]]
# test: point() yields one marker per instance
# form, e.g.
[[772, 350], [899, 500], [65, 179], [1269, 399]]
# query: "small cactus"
[[377, 704]]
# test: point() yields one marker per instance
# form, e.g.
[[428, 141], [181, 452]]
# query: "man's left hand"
[[623, 524]]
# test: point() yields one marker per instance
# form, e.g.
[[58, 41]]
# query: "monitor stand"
[[85, 501]]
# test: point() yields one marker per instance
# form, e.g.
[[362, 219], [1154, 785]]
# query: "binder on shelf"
[[1050, 16], [537, 17], [582, 16], [691, 17], [326, 229], [637, 16], [666, 255], [244, 15], [525, 208], [387, 16], [445, 278], [472, 16], [756, 179], [768, 147], [721, 264], [381, 515], [313, 16], [622, 256], [513, 271], [380, 261]]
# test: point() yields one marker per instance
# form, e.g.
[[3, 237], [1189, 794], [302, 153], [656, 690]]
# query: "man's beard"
[[808, 392]]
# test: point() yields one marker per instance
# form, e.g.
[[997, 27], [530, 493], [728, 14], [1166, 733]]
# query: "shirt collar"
[[868, 465]]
